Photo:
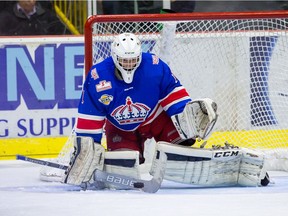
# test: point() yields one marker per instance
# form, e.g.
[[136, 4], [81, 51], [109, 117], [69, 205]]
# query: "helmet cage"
[[127, 55]]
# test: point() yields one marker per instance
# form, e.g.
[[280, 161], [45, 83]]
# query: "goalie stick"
[[117, 180]]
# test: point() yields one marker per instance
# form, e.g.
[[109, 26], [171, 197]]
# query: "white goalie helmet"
[[127, 55]]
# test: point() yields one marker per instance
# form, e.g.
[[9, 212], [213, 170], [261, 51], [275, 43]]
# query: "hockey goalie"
[[134, 96]]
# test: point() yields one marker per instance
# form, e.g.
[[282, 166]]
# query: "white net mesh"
[[238, 62], [56, 175]]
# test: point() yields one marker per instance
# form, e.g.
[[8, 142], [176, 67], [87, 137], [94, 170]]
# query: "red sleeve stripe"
[[177, 94], [88, 124], [175, 102]]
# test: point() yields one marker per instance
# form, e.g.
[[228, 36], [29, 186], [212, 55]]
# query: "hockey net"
[[237, 59]]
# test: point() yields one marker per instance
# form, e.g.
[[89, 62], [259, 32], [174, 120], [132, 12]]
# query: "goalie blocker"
[[225, 166]]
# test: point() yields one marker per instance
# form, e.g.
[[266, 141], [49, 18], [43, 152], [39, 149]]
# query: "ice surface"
[[23, 194]]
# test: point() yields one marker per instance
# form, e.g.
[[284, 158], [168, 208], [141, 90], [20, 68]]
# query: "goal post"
[[238, 59]]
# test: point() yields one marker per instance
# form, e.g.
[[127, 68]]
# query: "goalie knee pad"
[[211, 167], [87, 157], [122, 162]]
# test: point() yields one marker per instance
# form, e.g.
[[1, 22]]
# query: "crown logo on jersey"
[[130, 112]]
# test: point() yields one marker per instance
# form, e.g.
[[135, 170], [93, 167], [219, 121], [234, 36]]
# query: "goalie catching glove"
[[197, 119]]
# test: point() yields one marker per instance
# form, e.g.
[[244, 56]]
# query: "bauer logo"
[[120, 181], [225, 154]]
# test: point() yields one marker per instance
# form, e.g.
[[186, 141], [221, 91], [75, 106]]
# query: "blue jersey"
[[128, 106]]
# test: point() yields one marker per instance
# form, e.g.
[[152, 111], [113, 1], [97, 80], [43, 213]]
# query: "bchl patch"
[[103, 85], [94, 74], [106, 99]]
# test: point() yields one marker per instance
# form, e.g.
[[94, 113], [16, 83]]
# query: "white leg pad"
[[210, 167], [87, 157], [252, 168], [122, 162]]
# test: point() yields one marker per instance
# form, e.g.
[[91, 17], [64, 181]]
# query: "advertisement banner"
[[40, 87], [41, 81]]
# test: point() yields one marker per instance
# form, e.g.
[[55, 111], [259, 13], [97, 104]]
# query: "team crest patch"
[[130, 113], [103, 85], [116, 139], [94, 74], [155, 59], [106, 99]]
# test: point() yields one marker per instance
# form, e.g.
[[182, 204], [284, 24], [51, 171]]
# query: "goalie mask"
[[127, 55]]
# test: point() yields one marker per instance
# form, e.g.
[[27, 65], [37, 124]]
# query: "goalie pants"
[[161, 129]]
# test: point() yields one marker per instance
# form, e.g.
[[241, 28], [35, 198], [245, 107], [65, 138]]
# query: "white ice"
[[23, 194]]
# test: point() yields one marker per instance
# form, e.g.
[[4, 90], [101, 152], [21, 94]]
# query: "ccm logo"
[[226, 154]]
